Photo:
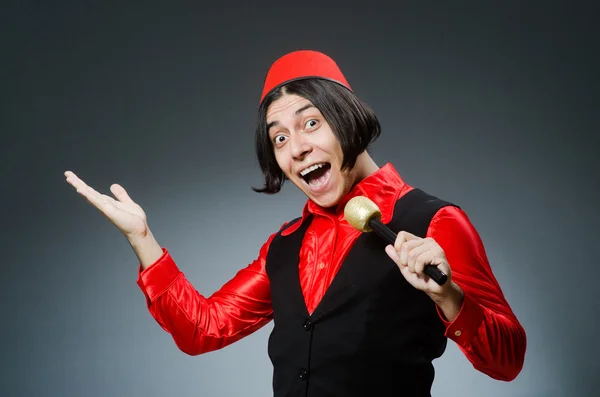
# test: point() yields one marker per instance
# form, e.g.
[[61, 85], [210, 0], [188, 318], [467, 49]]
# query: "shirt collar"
[[383, 187]]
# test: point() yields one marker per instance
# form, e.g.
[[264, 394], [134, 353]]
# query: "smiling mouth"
[[317, 175]]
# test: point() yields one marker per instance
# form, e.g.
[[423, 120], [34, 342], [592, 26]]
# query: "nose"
[[299, 147]]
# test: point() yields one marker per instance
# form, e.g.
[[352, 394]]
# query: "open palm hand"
[[122, 211]]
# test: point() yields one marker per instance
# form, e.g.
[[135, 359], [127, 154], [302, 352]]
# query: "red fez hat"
[[300, 65]]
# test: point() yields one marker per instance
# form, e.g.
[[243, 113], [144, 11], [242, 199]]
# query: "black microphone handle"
[[388, 235]]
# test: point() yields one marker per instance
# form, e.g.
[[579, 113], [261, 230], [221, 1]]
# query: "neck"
[[365, 166]]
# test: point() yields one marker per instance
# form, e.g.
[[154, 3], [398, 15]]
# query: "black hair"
[[352, 121]]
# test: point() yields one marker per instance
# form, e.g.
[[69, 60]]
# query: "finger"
[[404, 236], [92, 196], [407, 236], [423, 259], [120, 193], [400, 239], [414, 253], [408, 275], [75, 181], [393, 254], [406, 249], [100, 201]]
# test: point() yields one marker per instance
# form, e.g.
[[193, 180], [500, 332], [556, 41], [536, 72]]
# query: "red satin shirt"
[[486, 330]]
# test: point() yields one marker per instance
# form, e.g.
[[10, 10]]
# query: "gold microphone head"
[[358, 212]]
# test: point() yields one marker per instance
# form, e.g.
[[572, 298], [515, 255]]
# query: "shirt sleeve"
[[486, 330], [200, 324]]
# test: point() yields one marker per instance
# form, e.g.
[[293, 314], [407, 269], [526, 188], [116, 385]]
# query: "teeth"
[[311, 168]]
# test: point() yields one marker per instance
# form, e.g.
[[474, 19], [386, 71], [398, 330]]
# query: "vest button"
[[303, 374], [307, 325]]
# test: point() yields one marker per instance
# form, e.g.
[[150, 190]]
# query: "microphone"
[[364, 215]]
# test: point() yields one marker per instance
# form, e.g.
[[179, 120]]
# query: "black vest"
[[372, 334]]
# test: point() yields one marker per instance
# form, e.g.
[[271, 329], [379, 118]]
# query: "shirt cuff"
[[467, 322], [158, 277]]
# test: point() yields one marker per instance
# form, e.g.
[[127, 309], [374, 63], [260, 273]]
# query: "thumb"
[[120, 193]]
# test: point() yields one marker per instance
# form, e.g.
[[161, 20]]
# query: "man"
[[353, 316]]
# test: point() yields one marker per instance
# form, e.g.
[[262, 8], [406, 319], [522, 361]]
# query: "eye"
[[310, 124], [279, 140]]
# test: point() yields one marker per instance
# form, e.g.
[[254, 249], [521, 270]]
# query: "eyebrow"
[[297, 112]]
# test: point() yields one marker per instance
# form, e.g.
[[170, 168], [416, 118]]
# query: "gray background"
[[491, 105]]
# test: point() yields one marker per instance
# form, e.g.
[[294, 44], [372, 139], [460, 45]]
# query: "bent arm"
[[200, 324], [486, 330]]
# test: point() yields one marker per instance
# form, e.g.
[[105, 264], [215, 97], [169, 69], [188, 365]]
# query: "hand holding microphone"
[[413, 255]]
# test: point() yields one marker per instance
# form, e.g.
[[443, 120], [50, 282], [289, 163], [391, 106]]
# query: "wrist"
[[139, 239], [449, 300], [146, 248]]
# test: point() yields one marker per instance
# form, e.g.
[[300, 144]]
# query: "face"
[[307, 151]]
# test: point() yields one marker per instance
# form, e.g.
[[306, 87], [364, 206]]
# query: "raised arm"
[[196, 323]]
